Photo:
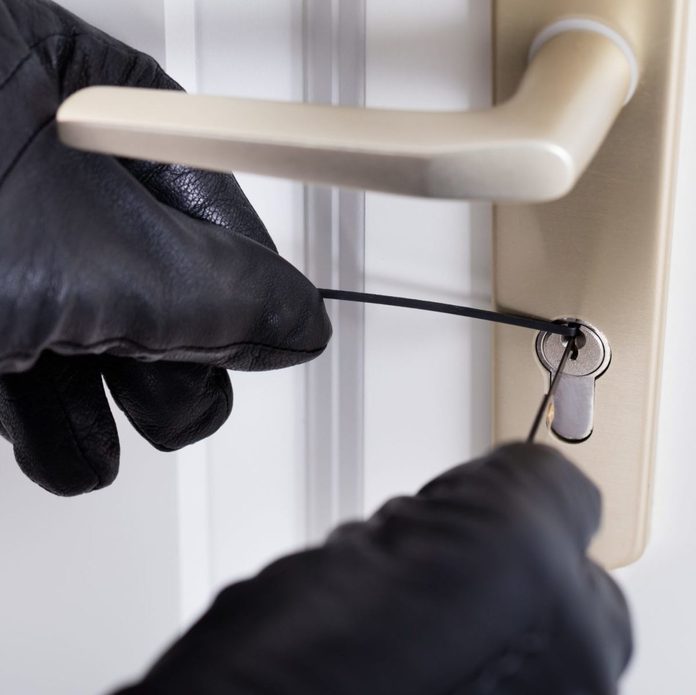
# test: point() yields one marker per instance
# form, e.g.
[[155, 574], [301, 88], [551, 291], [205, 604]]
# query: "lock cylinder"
[[573, 419]]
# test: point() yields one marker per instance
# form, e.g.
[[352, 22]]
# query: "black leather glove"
[[154, 277], [477, 585]]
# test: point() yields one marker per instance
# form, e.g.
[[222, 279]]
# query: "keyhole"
[[580, 341]]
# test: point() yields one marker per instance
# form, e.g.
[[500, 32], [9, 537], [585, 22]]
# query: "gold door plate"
[[600, 254]]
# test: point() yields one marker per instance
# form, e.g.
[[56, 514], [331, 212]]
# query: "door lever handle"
[[533, 147]]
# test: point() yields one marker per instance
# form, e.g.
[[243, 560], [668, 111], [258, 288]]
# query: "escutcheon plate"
[[601, 254]]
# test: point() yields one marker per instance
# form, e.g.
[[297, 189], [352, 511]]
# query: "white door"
[[91, 589]]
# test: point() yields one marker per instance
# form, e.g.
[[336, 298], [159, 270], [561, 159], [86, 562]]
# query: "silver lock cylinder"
[[573, 418]]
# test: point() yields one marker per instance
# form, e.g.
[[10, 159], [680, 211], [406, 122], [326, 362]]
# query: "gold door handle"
[[534, 147]]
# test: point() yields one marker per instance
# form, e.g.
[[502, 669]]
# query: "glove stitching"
[[160, 73], [23, 149], [15, 69], [13, 72], [44, 125], [32, 48]]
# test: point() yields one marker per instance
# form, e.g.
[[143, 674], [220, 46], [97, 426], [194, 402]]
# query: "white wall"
[[257, 461], [427, 377]]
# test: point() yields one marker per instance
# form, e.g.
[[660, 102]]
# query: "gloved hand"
[[477, 585], [154, 277]]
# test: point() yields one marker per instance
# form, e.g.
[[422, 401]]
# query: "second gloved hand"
[[156, 278], [478, 585]]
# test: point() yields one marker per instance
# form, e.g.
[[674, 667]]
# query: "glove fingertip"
[[58, 420], [170, 404]]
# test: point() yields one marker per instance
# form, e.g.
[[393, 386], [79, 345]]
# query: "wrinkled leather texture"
[[156, 278], [478, 585]]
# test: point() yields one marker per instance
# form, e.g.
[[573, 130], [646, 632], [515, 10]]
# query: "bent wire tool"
[[567, 331]]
